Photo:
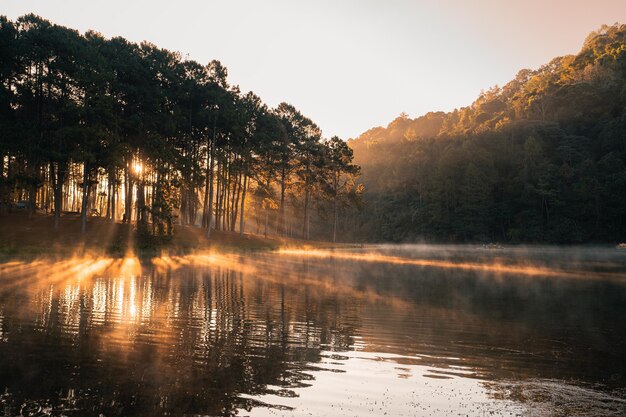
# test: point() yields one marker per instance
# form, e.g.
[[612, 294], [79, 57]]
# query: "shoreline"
[[24, 238]]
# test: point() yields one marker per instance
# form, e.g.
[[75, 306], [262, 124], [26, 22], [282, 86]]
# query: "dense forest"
[[131, 132], [541, 159]]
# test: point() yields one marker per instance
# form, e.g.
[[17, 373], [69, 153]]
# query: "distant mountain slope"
[[541, 159]]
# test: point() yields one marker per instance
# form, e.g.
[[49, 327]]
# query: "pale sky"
[[354, 64]]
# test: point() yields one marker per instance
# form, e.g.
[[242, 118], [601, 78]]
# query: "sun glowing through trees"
[[176, 143], [138, 168]]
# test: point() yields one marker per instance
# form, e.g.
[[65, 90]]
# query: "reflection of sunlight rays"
[[51, 272], [132, 306], [118, 297], [336, 288], [497, 268], [99, 301], [120, 292], [69, 308], [146, 301], [130, 266], [212, 305], [201, 259], [13, 266], [25, 274], [44, 299], [95, 267]]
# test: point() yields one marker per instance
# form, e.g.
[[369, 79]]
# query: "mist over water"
[[397, 329]]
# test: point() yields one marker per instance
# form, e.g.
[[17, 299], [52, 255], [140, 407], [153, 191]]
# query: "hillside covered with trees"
[[540, 159], [131, 132]]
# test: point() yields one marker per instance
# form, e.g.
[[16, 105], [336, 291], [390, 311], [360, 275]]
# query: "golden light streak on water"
[[497, 268], [95, 267], [202, 259], [119, 309], [130, 266], [120, 287]]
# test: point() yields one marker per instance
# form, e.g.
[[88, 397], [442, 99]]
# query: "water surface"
[[386, 330]]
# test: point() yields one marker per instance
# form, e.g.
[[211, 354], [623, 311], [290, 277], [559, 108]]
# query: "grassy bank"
[[23, 237]]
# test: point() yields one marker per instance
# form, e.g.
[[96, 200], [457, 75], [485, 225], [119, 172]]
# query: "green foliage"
[[541, 159], [171, 135]]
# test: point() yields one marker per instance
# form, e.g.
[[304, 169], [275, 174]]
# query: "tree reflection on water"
[[221, 334]]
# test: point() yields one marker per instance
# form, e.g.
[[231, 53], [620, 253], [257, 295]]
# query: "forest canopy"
[[540, 159], [133, 132]]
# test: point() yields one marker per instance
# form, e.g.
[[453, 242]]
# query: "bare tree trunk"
[[218, 190], [109, 188], [226, 212], [156, 203], [235, 202], [48, 188], [210, 176], [183, 205], [243, 202], [113, 194], [83, 213], [56, 177], [281, 226], [205, 203], [335, 220], [128, 199], [141, 202], [53, 182], [192, 206], [32, 193], [336, 191], [305, 226]]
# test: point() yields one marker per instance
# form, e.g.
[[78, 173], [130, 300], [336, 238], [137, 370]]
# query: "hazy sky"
[[349, 64]]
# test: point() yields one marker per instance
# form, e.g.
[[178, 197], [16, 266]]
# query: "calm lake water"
[[384, 330]]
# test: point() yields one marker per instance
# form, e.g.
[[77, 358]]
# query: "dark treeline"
[[132, 132], [541, 159]]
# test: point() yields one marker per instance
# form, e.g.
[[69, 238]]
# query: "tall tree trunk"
[[235, 202], [226, 212], [113, 194], [210, 179], [335, 220], [141, 202], [128, 198], [47, 198], [205, 203], [183, 205], [217, 196], [157, 203], [59, 178], [305, 225], [336, 192], [109, 188], [56, 190], [283, 179], [32, 192], [83, 213], [192, 204], [242, 221]]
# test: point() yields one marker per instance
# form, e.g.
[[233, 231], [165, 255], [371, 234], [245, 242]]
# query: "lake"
[[396, 330]]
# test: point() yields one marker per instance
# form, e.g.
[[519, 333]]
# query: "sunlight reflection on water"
[[428, 331]]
